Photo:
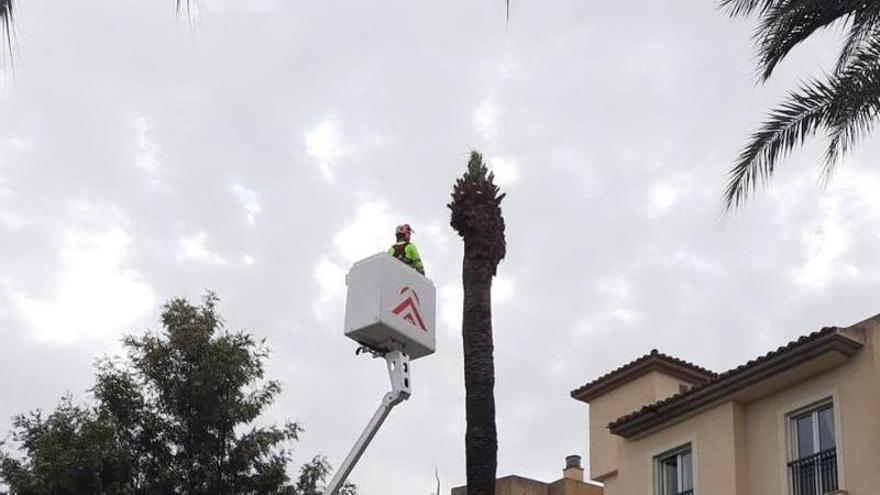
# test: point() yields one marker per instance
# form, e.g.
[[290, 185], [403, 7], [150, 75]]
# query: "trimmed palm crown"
[[846, 104], [476, 212]]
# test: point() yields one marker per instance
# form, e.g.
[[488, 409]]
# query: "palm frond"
[[846, 103], [745, 7], [6, 23], [856, 104], [798, 117], [787, 24], [865, 28], [184, 6]]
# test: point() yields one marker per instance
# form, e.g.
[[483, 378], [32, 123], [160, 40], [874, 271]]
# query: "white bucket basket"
[[390, 306]]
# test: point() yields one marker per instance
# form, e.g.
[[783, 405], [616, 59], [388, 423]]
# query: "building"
[[801, 420], [571, 483]]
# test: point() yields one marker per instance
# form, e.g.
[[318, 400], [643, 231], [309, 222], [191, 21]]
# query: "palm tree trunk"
[[481, 441], [476, 216]]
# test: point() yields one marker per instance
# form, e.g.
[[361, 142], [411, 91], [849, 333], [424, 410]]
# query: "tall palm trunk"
[[476, 215]]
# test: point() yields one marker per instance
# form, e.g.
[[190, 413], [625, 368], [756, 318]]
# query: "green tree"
[[476, 216], [176, 417], [845, 104]]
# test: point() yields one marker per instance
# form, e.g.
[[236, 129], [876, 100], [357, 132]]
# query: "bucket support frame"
[[401, 389]]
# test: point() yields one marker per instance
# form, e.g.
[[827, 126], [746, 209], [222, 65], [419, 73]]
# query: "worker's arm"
[[413, 254]]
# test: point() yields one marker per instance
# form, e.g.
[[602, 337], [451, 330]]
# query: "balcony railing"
[[815, 474]]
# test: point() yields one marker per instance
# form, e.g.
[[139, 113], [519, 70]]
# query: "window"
[[813, 466], [675, 472]]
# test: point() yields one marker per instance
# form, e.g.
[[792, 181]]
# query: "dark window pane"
[[687, 471], [826, 429], [804, 432], [669, 476]]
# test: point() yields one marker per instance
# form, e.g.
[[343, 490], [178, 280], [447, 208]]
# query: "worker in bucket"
[[406, 251]]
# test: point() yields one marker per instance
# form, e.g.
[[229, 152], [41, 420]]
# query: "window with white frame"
[[675, 472], [813, 450]]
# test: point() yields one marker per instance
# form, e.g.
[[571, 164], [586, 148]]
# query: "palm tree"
[[476, 216], [845, 104]]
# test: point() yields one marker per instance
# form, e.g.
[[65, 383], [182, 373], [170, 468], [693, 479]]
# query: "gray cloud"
[[262, 150]]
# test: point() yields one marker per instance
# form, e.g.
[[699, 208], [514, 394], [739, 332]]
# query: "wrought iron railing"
[[815, 474]]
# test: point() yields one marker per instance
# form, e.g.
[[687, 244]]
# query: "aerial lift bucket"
[[390, 310]]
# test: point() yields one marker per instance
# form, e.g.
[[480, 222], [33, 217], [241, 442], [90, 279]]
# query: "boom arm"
[[398, 372]]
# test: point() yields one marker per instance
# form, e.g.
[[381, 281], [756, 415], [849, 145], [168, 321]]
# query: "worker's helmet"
[[403, 230]]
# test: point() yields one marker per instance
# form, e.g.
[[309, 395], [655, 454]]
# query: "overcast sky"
[[265, 148]]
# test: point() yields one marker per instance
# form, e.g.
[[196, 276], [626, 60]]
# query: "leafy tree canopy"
[[176, 416]]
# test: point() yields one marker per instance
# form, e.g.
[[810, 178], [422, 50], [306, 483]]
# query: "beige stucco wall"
[[630, 397], [715, 437], [612, 486], [740, 448], [573, 487], [517, 485], [854, 388], [513, 485]]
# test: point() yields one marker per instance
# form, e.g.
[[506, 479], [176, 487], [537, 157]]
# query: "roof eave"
[[640, 367], [715, 392]]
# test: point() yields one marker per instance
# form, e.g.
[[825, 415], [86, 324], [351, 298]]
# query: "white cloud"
[[331, 280], [663, 196], [617, 291], [451, 306], [196, 248], [11, 219], [372, 231], [506, 172], [238, 8], [331, 277], [847, 208], [95, 296], [654, 65], [8, 218], [248, 198], [323, 143], [502, 289], [617, 288], [824, 245], [145, 153], [485, 120]]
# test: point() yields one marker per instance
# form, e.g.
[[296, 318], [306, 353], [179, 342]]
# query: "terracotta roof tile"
[[727, 377], [649, 362]]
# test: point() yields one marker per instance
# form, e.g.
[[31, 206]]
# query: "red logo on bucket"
[[408, 309]]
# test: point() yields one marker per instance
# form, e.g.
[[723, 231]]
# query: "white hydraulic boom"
[[390, 311], [398, 372]]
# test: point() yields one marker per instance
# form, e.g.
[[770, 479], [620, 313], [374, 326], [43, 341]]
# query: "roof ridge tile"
[[725, 375]]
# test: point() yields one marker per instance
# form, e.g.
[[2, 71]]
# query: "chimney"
[[573, 469]]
